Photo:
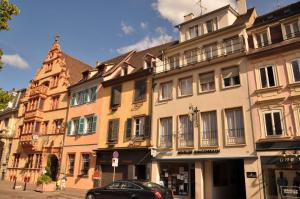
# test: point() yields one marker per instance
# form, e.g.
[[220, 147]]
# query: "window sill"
[[69, 175], [83, 134], [231, 87], [206, 92], [139, 101], [164, 100], [185, 148], [264, 90], [294, 84], [274, 138], [184, 96], [235, 145]]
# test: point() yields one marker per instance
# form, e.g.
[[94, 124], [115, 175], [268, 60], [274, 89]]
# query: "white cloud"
[[174, 12], [127, 29], [144, 25], [15, 61], [148, 42]]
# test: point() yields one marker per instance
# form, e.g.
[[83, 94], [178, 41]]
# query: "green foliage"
[[5, 97], [44, 179], [7, 11], [48, 170]]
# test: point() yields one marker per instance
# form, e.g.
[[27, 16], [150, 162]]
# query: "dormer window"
[[125, 69], [292, 29], [262, 39], [193, 31], [212, 25], [149, 61]]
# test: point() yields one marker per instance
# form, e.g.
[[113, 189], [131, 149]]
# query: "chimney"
[[188, 17], [241, 6]]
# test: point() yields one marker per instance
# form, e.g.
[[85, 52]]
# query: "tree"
[[7, 11], [5, 97]]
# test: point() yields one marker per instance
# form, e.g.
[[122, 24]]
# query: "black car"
[[130, 189]]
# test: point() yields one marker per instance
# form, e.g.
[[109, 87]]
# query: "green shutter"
[[94, 125], [81, 125], [128, 128], [69, 128], [147, 126]]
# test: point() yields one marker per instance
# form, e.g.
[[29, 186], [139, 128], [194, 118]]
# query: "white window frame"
[[290, 66], [267, 76], [191, 56], [209, 52], [202, 127], [232, 85], [193, 31], [273, 126], [268, 42], [174, 61], [161, 90], [290, 24], [235, 125], [141, 126], [207, 82], [179, 88], [161, 130]]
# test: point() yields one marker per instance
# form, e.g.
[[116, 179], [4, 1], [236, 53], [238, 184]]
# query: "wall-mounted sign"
[[115, 162], [251, 174], [195, 152]]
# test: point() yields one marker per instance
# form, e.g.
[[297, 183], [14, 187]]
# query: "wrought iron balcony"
[[203, 54], [209, 139], [235, 136]]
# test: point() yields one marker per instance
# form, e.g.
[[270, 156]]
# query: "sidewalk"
[[68, 193]]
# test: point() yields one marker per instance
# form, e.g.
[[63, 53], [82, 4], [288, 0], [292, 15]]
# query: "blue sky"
[[91, 30]]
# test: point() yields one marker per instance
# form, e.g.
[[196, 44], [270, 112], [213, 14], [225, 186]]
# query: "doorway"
[[140, 172], [53, 166]]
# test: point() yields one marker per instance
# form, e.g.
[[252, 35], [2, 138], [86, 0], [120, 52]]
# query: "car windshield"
[[153, 186]]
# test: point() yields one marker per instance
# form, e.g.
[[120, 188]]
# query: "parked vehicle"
[[130, 189]]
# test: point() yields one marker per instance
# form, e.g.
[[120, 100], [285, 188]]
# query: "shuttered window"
[[128, 128], [267, 77], [81, 125], [113, 130], [115, 99], [94, 125]]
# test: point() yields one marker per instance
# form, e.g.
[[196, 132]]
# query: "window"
[[54, 103], [292, 29], [140, 89], [231, 77], [185, 86], [75, 126], [174, 61], [93, 94], [71, 164], [55, 79], [296, 70], [166, 132], [191, 56], [57, 126], [207, 82], [193, 31], [232, 45], [16, 160], [209, 129], [74, 99], [165, 91], [235, 126], [29, 163], [212, 25], [38, 161], [45, 127], [186, 132], [115, 99], [267, 77], [91, 124], [113, 130], [273, 123], [139, 126], [85, 164], [262, 39], [210, 51]]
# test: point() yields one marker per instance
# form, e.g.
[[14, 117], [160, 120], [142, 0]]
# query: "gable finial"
[[56, 37]]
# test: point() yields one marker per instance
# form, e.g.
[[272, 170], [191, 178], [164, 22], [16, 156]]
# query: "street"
[[6, 192]]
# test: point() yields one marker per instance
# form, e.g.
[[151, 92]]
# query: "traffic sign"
[[115, 154], [115, 162]]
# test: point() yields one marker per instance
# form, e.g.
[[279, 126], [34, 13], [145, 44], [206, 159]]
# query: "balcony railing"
[[185, 140], [38, 90], [204, 54], [209, 138], [235, 136], [165, 141], [278, 40]]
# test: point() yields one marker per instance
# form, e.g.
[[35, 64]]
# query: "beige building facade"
[[274, 75], [202, 130], [42, 114]]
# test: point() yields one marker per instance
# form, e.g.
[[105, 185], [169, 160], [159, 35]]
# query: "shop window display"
[[281, 177], [176, 178]]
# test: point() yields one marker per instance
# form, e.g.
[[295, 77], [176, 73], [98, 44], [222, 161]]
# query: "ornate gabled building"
[[42, 114], [8, 123]]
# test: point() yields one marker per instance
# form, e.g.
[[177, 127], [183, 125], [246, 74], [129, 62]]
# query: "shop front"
[[132, 164], [281, 176], [214, 178]]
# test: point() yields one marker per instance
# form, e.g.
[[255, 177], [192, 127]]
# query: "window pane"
[[277, 121], [271, 76], [296, 71], [263, 78], [268, 123]]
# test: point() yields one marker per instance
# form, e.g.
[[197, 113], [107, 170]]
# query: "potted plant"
[[44, 182]]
